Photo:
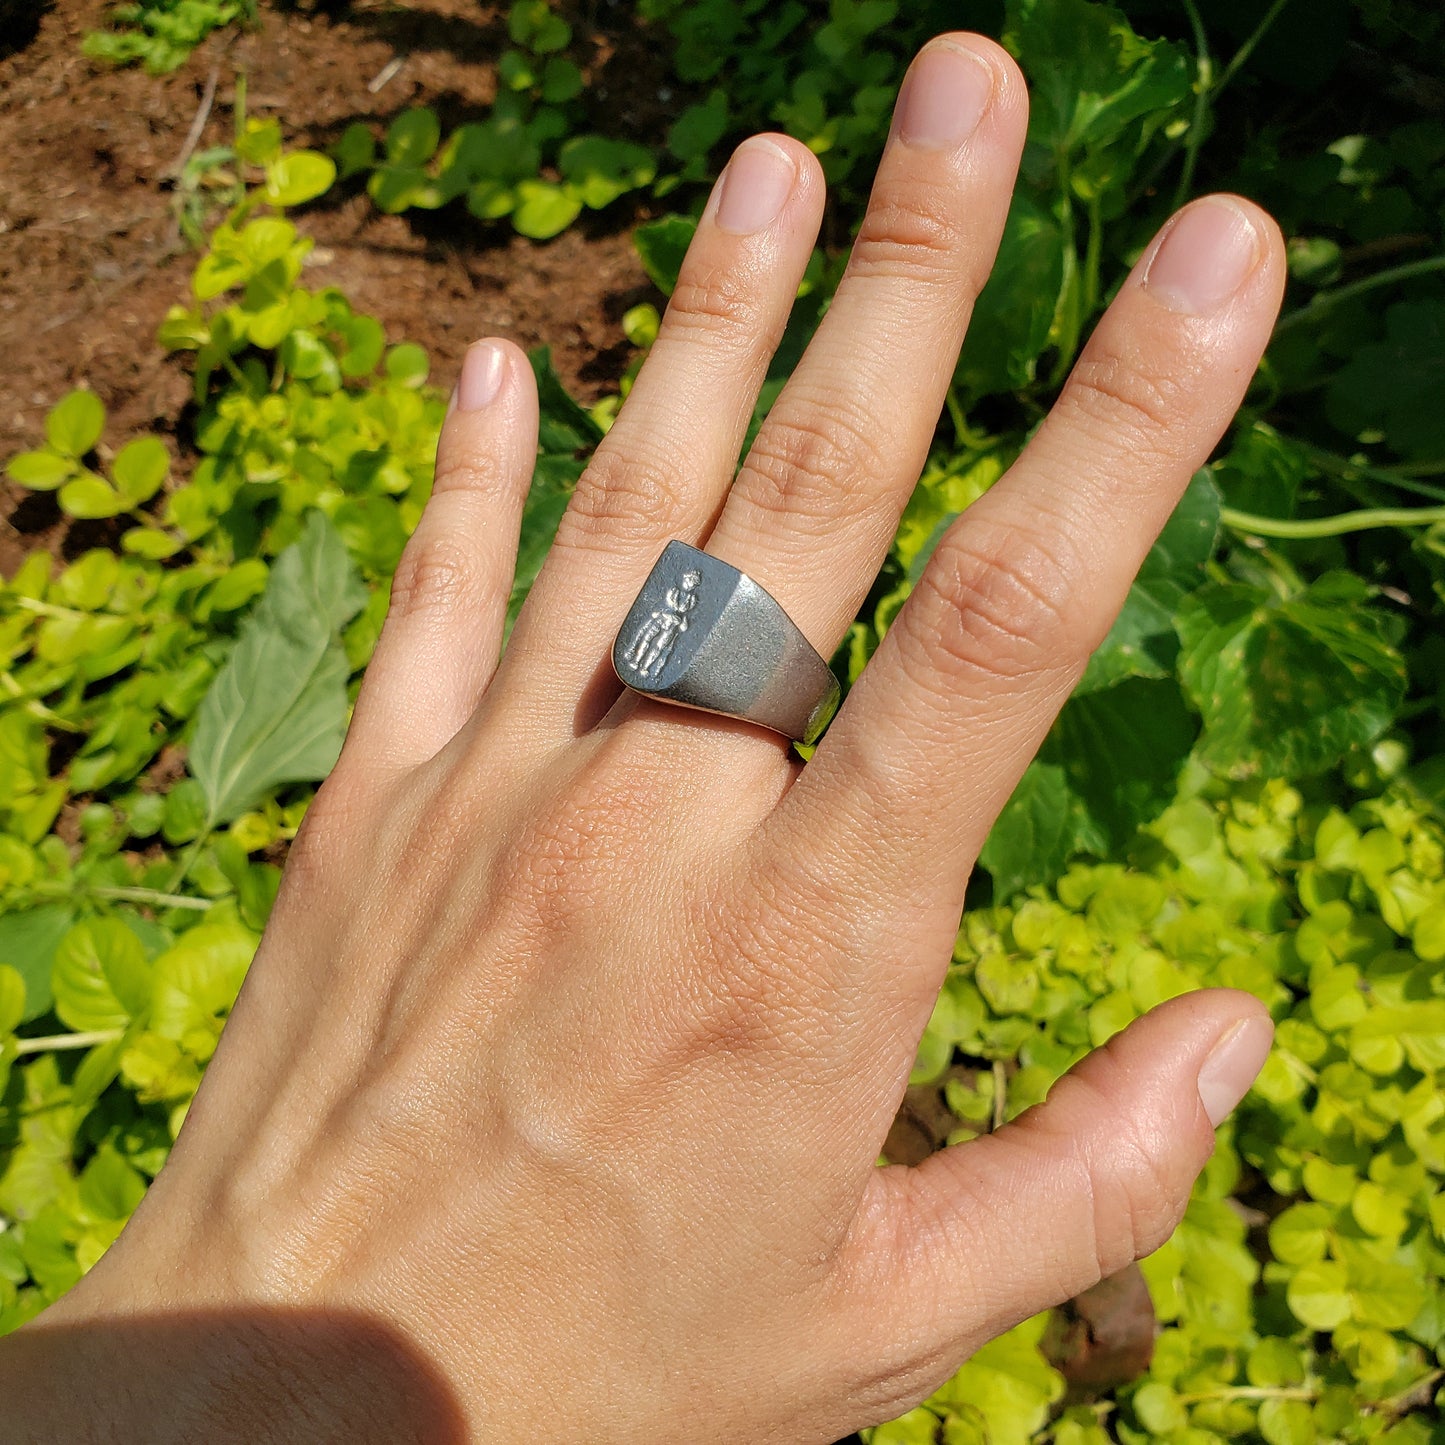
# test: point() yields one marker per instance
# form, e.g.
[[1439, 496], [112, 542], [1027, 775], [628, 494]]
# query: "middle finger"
[[817, 502]]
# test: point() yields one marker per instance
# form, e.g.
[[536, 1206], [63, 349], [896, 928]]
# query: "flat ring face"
[[704, 635]]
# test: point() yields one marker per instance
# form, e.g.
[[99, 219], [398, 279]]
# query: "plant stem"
[[1202, 85], [1335, 526], [1253, 1392], [187, 860], [1324, 301], [155, 896], [1342, 466], [54, 1042], [1241, 56]]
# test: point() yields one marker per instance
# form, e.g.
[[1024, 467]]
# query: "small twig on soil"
[[388, 72], [193, 136]]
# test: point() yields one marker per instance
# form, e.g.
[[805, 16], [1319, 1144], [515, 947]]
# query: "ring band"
[[704, 635]]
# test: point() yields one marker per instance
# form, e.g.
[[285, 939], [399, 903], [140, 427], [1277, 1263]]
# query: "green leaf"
[[1288, 686], [28, 940], [196, 982], [109, 1187], [1014, 313], [1009, 1383], [600, 169], [1142, 641], [412, 138], [356, 150], [561, 81], [298, 176], [545, 209], [1287, 1422], [101, 978], [1122, 749], [1395, 385], [13, 995], [566, 427], [139, 469], [408, 364], [1035, 834], [276, 712], [41, 471], [699, 127], [75, 423], [661, 245], [89, 497], [1318, 1294], [1090, 76]]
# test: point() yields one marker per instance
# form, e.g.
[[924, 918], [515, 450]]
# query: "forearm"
[[252, 1375]]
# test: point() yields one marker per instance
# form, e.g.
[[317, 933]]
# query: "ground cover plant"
[[1248, 787]]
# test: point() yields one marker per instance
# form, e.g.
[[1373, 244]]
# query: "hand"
[[565, 1063]]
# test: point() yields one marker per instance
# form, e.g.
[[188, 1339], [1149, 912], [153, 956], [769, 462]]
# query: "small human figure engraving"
[[656, 637]]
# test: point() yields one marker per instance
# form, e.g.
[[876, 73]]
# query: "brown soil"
[[91, 255]]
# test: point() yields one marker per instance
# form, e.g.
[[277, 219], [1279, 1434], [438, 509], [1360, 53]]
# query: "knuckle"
[[810, 465], [469, 474], [716, 300], [1134, 1199], [623, 501], [910, 233], [1139, 403], [439, 572], [995, 605]]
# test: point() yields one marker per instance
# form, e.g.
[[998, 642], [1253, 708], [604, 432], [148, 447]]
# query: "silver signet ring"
[[704, 635]]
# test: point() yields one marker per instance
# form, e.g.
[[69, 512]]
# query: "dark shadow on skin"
[[251, 1376]]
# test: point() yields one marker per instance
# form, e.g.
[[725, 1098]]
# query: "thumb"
[[985, 1234]]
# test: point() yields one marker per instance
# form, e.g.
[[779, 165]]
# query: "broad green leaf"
[[1035, 834], [699, 127], [1090, 76], [1142, 641], [74, 424], [1286, 687], [545, 209], [566, 428], [298, 176], [139, 469], [661, 245], [101, 978], [276, 712], [552, 483], [1014, 312], [1395, 385], [28, 940], [109, 1187], [1122, 749], [41, 471]]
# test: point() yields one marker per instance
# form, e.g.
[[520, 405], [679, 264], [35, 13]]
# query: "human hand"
[[580, 1021]]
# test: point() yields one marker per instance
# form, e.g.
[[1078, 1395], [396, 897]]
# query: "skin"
[[552, 1105]]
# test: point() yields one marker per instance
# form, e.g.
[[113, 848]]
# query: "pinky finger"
[[443, 634]]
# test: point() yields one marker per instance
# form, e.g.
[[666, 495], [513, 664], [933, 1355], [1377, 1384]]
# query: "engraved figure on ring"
[[656, 638]]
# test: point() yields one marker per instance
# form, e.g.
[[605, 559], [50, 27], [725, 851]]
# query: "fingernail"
[[944, 96], [1232, 1065], [1206, 253], [757, 181], [483, 368]]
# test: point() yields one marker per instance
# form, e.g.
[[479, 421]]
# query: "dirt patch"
[[91, 255]]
